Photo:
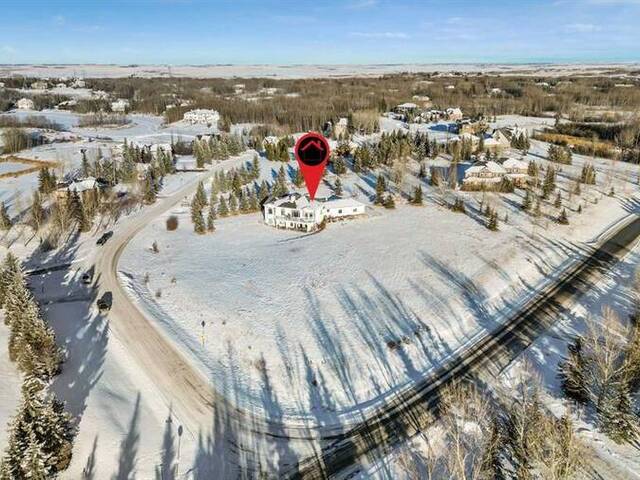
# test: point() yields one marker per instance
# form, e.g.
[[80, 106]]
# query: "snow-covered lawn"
[[337, 320]]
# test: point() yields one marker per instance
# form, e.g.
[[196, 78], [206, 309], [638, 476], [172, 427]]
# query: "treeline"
[[602, 373], [16, 139], [41, 433], [99, 119], [512, 436], [216, 147], [230, 194], [30, 121]]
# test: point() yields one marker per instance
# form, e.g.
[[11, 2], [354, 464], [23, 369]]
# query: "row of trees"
[[509, 437], [41, 433], [602, 372], [218, 148]]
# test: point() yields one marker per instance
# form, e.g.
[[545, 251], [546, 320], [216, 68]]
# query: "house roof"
[[515, 163], [407, 105], [490, 166], [343, 203]]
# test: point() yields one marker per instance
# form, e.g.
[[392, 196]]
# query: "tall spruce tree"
[[417, 196], [5, 220]]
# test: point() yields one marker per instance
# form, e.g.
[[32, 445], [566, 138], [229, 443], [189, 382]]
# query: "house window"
[[355, 209], [340, 211], [295, 214], [270, 211]]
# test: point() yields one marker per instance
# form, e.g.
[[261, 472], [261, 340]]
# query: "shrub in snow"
[[172, 223]]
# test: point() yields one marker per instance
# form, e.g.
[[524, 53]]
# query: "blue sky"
[[329, 31]]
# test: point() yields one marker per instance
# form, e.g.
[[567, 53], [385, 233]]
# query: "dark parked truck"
[[103, 239], [105, 302]]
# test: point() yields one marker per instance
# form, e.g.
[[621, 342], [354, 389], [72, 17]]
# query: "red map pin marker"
[[312, 153]]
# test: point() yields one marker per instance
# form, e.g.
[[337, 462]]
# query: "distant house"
[[484, 172], [186, 164], [202, 116], [121, 105], [269, 90], [454, 114], [78, 83], [492, 173], [450, 87], [496, 142], [79, 186], [296, 211], [25, 104], [467, 125], [341, 127], [495, 92], [238, 88], [39, 85], [406, 107]]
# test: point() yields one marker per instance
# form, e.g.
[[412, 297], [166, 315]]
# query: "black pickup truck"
[[103, 239], [104, 303]]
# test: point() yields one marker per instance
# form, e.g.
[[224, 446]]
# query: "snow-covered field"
[[302, 71], [317, 314]]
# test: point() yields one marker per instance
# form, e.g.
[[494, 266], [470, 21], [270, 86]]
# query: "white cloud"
[[59, 20], [582, 27], [390, 35], [8, 50]]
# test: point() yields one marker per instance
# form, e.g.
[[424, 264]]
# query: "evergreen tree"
[[389, 202], [298, 180], [339, 167], [337, 188], [537, 211], [417, 196], [255, 167], [381, 188], [562, 219], [233, 204], [86, 168], [527, 202], [243, 204], [5, 221], [40, 436], [200, 198], [423, 171], [148, 189], [492, 223], [210, 219], [37, 212], [572, 371], [254, 205], [577, 190], [8, 272], [223, 209], [549, 184], [77, 212], [616, 415], [588, 174], [558, 202], [196, 217], [47, 181]]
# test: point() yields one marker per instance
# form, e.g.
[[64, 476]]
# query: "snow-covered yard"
[[337, 320]]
